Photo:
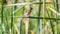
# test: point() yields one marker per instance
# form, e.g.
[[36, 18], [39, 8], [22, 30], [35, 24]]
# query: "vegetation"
[[29, 17]]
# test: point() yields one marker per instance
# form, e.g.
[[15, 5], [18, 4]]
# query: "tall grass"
[[2, 24], [39, 20], [57, 8], [29, 20]]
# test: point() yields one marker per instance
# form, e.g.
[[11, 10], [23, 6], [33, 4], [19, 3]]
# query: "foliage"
[[12, 17]]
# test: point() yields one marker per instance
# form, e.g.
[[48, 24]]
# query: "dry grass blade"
[[26, 3], [53, 11]]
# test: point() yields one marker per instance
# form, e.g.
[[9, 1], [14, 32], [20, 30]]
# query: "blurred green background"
[[29, 16]]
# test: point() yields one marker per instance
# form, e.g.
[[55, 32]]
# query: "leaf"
[[19, 11], [53, 11], [22, 4]]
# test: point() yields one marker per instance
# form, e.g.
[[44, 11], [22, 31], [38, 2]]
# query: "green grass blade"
[[2, 16]]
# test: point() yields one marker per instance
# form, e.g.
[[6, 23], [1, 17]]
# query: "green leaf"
[[18, 12]]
